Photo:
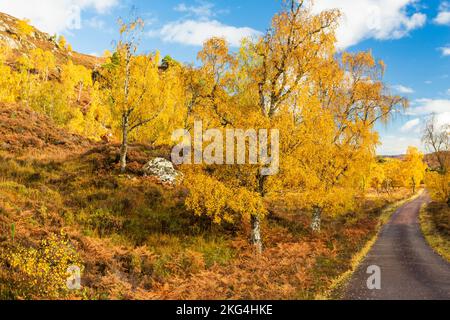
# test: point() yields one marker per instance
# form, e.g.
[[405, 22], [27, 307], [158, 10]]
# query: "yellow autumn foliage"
[[41, 272], [438, 185], [24, 28], [9, 82], [324, 105]]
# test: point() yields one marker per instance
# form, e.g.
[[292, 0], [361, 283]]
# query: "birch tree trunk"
[[80, 90], [256, 239], [126, 113], [413, 180], [316, 219], [256, 234], [124, 147]]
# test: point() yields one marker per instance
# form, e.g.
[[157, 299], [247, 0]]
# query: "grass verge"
[[429, 216]]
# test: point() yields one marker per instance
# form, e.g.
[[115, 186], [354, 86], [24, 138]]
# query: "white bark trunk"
[[316, 219], [80, 90], [126, 114], [256, 234], [124, 148]]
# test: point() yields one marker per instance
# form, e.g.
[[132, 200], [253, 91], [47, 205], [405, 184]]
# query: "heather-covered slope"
[[24, 132], [10, 36], [132, 236]]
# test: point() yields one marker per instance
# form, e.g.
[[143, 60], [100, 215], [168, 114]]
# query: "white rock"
[[163, 170], [13, 44]]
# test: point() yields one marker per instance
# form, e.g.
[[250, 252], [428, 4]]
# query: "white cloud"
[[192, 32], [403, 89], [422, 109], [426, 107], [202, 10], [445, 51], [429, 106], [397, 145], [443, 119], [378, 19], [410, 125], [410, 133], [54, 16], [198, 25], [443, 16]]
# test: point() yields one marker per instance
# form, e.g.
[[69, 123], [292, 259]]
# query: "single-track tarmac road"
[[408, 268]]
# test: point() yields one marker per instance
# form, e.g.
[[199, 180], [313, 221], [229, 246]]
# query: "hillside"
[[69, 200], [432, 160], [51, 183], [133, 236], [10, 36], [24, 132]]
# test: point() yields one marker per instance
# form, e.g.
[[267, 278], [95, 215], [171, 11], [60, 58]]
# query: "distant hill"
[[430, 159], [9, 36], [400, 156]]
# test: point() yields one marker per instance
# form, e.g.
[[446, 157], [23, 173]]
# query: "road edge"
[[431, 236], [338, 285]]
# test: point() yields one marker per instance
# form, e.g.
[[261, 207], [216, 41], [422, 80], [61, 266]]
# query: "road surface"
[[409, 269]]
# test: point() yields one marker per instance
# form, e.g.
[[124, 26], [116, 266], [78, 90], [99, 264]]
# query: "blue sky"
[[411, 36]]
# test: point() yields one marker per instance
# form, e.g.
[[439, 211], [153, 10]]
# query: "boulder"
[[11, 43], [163, 170], [3, 27]]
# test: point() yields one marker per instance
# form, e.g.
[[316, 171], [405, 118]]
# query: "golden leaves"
[[439, 186], [42, 272], [325, 108], [24, 28], [210, 197]]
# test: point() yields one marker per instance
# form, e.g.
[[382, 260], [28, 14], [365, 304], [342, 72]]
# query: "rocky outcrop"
[[9, 42], [163, 170], [9, 34], [20, 44]]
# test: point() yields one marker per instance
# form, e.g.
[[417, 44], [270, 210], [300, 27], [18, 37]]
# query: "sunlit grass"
[[437, 238]]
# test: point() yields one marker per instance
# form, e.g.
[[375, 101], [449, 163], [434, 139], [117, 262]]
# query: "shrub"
[[38, 273], [439, 186], [102, 221]]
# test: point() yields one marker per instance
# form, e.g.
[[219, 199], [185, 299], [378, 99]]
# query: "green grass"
[[437, 238]]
